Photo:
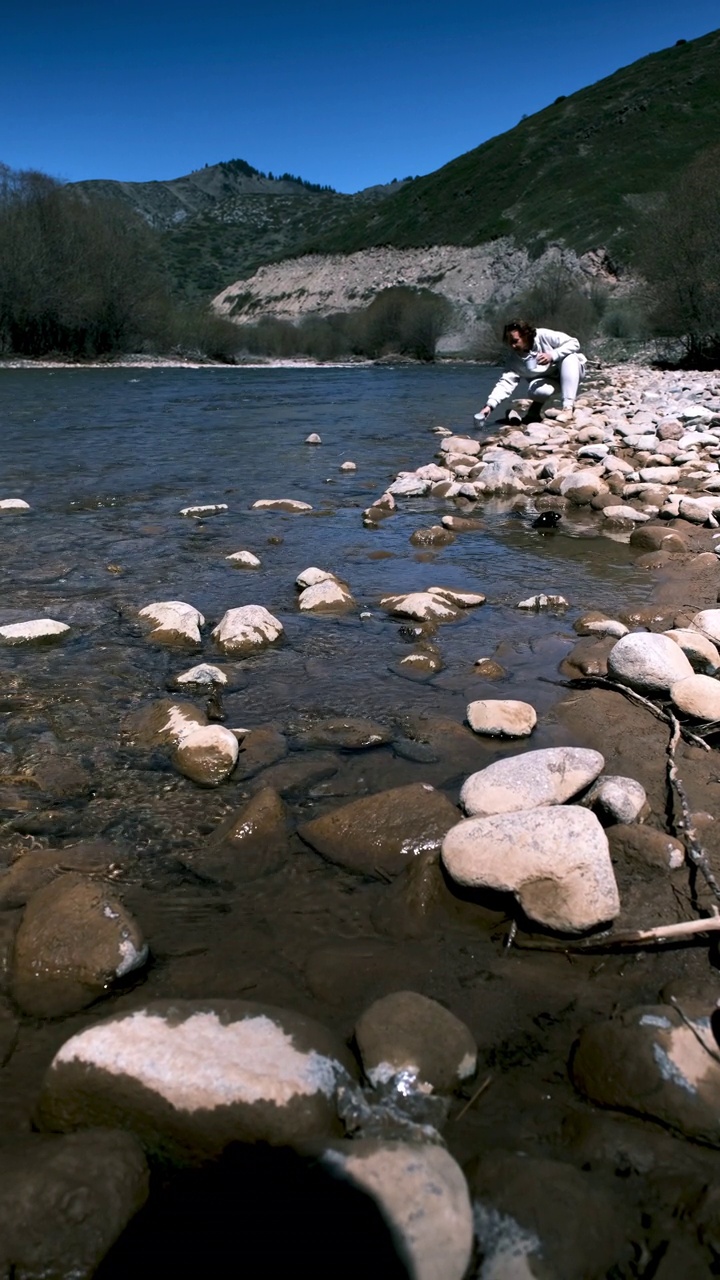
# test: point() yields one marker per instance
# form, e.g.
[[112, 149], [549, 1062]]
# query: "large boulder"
[[555, 861], [189, 1077], [75, 941], [381, 833], [546, 777], [648, 661], [65, 1200]]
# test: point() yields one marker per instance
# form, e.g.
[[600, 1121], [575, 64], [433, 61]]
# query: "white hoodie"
[[523, 364]]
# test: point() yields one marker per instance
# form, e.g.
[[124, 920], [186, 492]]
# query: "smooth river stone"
[[37, 631], [708, 622], [406, 1031], [422, 1194], [648, 661], [501, 718], [380, 834], [189, 1077], [537, 778], [555, 861], [174, 622], [208, 755], [697, 696], [328, 596], [290, 505], [617, 799], [243, 560], [701, 653], [650, 1061]]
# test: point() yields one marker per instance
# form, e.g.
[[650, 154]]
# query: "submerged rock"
[[189, 1077], [210, 509], [75, 941], [380, 834], [252, 841], [243, 560], [37, 631], [289, 505], [555, 861]]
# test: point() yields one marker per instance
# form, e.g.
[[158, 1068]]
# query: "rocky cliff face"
[[470, 279]]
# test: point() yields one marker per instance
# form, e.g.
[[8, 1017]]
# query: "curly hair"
[[527, 331]]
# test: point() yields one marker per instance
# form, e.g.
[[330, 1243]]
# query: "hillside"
[[577, 171]]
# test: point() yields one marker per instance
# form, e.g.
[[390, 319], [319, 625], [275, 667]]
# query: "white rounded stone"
[[646, 660], [618, 799], [501, 717], [37, 631], [348, 466], [246, 629], [173, 620], [203, 673], [244, 560], [313, 438], [701, 653], [556, 861], [310, 577], [208, 755], [212, 509], [14, 504], [330, 595], [697, 696], [290, 505], [707, 621], [536, 779]]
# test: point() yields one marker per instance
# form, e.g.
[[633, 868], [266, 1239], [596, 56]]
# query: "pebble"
[[554, 860], [501, 718], [189, 1077], [546, 777]]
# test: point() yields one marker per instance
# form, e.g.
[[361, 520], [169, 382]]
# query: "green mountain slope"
[[578, 170]]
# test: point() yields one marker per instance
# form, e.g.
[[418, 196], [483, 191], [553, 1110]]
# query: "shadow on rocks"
[[259, 1212]]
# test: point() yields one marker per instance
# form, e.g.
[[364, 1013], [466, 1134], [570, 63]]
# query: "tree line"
[[87, 279]]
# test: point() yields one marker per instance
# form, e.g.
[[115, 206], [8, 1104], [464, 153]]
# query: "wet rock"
[[462, 524], [648, 1060], [408, 1032], [422, 1194], [701, 653], [61, 778], [348, 465], [423, 663], [294, 778], [408, 485], [616, 799], [543, 601], [35, 868], [409, 749], [207, 756], [14, 504], [596, 624], [648, 661], [547, 777], [204, 676], [657, 538], [698, 696], [76, 940], [252, 841], [580, 486], [350, 733], [245, 630], [645, 846], [37, 631], [587, 658], [434, 536], [501, 718], [165, 722], [441, 604], [173, 622], [259, 749], [536, 1217], [64, 1201], [379, 834], [555, 861], [243, 560], [202, 512], [313, 438], [290, 505], [189, 1077], [328, 596], [489, 669]]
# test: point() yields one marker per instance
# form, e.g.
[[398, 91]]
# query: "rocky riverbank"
[[428, 986]]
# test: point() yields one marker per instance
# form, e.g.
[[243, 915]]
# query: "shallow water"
[[107, 458]]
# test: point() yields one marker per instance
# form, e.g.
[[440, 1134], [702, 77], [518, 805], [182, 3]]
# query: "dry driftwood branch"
[[628, 937]]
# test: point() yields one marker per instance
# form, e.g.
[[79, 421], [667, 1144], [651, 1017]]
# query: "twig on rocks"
[[629, 937], [662, 713], [477, 1094], [692, 1027], [693, 849]]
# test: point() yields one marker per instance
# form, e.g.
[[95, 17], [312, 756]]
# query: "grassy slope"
[[577, 170]]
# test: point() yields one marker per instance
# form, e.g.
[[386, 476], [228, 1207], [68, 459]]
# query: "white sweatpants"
[[569, 376]]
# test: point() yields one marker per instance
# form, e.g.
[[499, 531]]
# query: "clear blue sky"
[[338, 94]]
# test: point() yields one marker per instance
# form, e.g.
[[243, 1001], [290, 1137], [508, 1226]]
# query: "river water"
[[106, 458]]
